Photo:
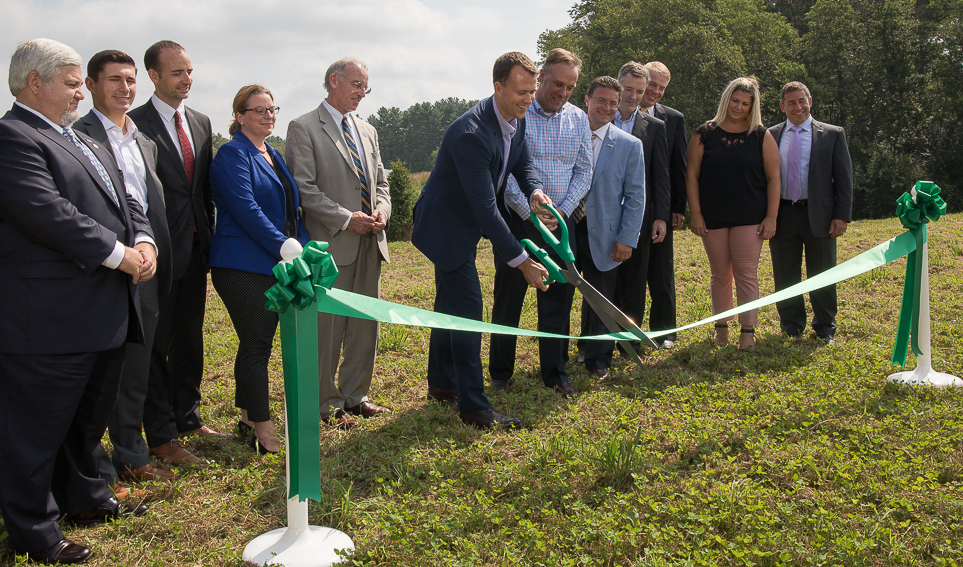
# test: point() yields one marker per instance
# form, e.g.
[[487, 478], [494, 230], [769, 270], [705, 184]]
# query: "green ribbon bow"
[[301, 283], [298, 280], [914, 214]]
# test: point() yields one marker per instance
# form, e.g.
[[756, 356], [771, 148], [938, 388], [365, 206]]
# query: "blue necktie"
[[69, 134], [353, 149]]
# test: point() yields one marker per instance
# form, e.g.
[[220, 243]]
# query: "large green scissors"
[[609, 314]]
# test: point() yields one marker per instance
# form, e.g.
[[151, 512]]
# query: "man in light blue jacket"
[[608, 221]]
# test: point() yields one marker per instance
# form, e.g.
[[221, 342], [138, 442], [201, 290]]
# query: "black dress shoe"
[[62, 552], [500, 385], [442, 395], [489, 418], [566, 389], [113, 509]]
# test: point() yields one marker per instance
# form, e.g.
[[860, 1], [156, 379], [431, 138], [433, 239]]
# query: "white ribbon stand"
[[924, 375], [299, 544]]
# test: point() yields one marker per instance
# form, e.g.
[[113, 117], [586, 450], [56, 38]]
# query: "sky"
[[416, 50]]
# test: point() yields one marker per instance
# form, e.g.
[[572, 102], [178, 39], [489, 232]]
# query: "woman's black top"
[[290, 216], [732, 178]]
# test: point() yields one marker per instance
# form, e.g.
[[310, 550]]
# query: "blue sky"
[[416, 50]]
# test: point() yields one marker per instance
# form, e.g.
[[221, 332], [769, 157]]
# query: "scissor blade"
[[604, 307]]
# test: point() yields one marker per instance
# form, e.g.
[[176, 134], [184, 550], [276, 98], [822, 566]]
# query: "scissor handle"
[[554, 272], [563, 248]]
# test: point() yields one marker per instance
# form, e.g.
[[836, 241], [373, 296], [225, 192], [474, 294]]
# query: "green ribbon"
[[340, 302], [914, 214], [300, 282]]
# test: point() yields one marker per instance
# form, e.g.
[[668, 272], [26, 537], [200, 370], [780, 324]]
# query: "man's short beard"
[[69, 118]]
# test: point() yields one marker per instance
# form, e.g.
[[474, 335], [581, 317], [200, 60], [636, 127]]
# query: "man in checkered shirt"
[[559, 140]]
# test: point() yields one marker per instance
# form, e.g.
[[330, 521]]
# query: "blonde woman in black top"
[[732, 181]]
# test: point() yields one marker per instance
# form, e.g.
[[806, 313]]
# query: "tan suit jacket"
[[330, 188]]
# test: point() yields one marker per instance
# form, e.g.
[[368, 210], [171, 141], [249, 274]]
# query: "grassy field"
[[800, 454]]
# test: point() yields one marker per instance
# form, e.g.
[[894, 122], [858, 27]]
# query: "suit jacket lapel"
[[367, 151], [62, 140], [608, 146], [818, 135], [159, 133], [334, 132]]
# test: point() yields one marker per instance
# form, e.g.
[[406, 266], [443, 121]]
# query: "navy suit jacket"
[[678, 149], [615, 204], [58, 223], [461, 202], [156, 211], [186, 203], [830, 176], [251, 207], [651, 131]]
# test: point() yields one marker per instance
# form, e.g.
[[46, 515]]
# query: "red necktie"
[[186, 150]]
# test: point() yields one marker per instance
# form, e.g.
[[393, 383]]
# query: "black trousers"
[[173, 402], [130, 449], [598, 354], [794, 235], [631, 276], [554, 312], [661, 278], [55, 410], [243, 295], [454, 357]]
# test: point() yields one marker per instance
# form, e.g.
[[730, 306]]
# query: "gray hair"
[[635, 69], [45, 56], [338, 68]]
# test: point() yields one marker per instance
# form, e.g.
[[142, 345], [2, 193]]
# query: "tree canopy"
[[413, 135]]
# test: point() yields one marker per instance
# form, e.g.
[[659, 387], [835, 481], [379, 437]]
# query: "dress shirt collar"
[[47, 120], [508, 127], [602, 131], [537, 109], [625, 124], [166, 111], [335, 114], [807, 125], [109, 125], [651, 110]]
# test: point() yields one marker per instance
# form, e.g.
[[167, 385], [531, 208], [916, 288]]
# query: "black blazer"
[[830, 176], [156, 211], [57, 224], [651, 131], [678, 146], [184, 203], [462, 201]]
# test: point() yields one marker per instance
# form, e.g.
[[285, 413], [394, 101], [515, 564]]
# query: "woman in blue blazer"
[[257, 211]]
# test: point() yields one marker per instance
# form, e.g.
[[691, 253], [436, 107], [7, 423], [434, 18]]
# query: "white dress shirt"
[[167, 114]]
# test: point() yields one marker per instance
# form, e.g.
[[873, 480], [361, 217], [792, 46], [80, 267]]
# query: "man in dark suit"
[[112, 82], [661, 277], [184, 153], [73, 244], [632, 274], [816, 205], [458, 205]]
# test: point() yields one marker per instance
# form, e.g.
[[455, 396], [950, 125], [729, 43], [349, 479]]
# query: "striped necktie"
[[579, 213], [69, 134], [353, 149]]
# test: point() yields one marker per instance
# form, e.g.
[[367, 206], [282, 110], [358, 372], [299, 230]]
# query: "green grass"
[[798, 455]]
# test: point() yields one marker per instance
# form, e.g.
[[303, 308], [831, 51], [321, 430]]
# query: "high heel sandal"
[[255, 444], [752, 347], [719, 326]]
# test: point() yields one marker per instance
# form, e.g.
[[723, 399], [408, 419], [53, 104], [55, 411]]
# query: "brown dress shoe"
[[366, 409], [442, 395], [123, 491], [113, 509], [205, 431], [340, 420], [489, 418], [146, 472], [174, 453], [62, 552]]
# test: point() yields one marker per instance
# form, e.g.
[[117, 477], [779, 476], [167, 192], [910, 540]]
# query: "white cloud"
[[416, 50]]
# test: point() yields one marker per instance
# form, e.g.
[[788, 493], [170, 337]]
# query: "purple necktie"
[[794, 167]]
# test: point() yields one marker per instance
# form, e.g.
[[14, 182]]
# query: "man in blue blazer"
[[462, 201], [69, 262], [112, 82], [607, 229], [815, 207]]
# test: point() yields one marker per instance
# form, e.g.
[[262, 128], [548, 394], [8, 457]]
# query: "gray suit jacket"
[[616, 203], [156, 210], [328, 182], [830, 176]]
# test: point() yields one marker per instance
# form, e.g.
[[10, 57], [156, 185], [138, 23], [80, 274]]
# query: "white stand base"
[[925, 377], [313, 547]]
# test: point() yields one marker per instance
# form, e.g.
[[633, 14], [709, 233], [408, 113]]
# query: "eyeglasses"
[[357, 85], [608, 103], [262, 110]]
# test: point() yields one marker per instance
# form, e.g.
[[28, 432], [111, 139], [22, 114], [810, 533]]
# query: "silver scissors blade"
[[604, 308]]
